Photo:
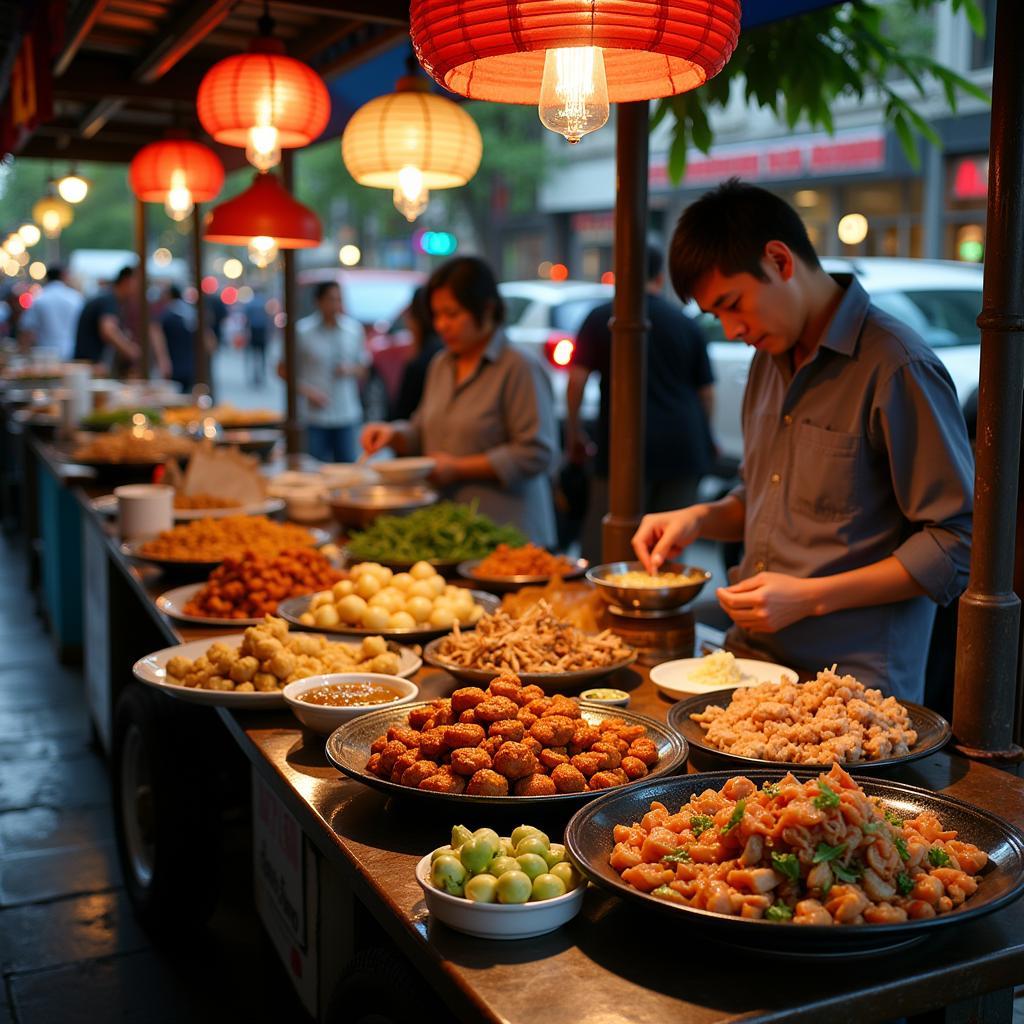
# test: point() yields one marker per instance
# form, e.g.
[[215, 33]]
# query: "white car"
[[940, 299], [543, 318]]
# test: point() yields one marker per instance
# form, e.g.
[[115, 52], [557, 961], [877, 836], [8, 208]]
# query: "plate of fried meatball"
[[507, 743]]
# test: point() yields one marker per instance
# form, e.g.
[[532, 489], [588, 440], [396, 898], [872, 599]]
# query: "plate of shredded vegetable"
[[443, 534], [508, 568]]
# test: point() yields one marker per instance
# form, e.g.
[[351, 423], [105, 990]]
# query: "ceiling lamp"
[[411, 141], [263, 100], [53, 215], [72, 188], [30, 234], [265, 218], [178, 173], [573, 57]]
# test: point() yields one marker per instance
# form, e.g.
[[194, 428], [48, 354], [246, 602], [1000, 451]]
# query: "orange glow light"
[[559, 272], [562, 354]]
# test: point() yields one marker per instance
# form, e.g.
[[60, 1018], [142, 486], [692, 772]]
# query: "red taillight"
[[560, 349]]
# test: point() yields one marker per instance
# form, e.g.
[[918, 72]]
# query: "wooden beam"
[[385, 12], [316, 40], [95, 78], [188, 30], [98, 116], [77, 35], [360, 54], [95, 150]]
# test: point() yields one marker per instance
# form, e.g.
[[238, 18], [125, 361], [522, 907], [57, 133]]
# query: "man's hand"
[[663, 535], [768, 602], [446, 469], [317, 398], [376, 436]]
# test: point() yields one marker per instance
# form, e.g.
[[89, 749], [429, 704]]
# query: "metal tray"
[[503, 584]]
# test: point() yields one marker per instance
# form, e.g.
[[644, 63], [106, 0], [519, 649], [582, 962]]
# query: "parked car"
[[940, 299], [543, 318]]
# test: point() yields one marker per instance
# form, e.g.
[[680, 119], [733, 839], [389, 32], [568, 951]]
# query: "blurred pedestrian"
[[331, 360], [51, 320], [101, 335], [179, 325], [256, 351], [425, 345]]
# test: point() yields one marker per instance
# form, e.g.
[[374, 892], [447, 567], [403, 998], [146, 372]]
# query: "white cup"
[[144, 509]]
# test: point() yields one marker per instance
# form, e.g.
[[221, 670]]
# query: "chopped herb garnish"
[[679, 856], [848, 873], [700, 823], [826, 888], [892, 818], [663, 890], [778, 912], [737, 816], [828, 798], [787, 865], [901, 847], [824, 852], [938, 858], [872, 827], [904, 883], [771, 788]]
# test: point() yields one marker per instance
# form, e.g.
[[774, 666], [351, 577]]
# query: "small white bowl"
[[345, 474], [613, 699], [403, 471], [499, 920], [306, 504], [323, 719]]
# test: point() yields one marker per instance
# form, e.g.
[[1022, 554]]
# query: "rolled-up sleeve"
[[932, 470], [527, 408]]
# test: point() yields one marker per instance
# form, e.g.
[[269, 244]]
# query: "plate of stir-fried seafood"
[[830, 720], [801, 862]]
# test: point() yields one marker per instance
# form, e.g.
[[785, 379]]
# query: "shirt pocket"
[[826, 468]]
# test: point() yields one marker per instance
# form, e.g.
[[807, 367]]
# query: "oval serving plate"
[[294, 607], [932, 729], [550, 682], [588, 838], [106, 505], [672, 678], [501, 584], [152, 670], [348, 749]]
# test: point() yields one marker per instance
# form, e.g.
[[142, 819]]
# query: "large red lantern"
[[573, 57], [177, 173], [263, 100]]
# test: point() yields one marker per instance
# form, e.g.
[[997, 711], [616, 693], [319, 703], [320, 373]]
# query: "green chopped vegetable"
[[771, 788], [901, 847], [737, 816], [679, 856], [446, 531], [848, 873], [873, 827], [787, 865], [700, 823], [663, 891], [103, 419], [904, 883], [825, 852], [828, 798], [938, 858], [893, 819], [778, 912]]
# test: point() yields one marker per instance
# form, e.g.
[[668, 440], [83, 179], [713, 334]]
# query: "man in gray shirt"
[[857, 481]]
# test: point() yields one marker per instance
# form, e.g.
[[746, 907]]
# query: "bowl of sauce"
[[324, 702]]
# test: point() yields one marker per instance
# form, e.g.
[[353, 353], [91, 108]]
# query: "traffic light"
[[435, 243]]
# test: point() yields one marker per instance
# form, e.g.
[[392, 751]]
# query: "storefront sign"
[[29, 99], [970, 178]]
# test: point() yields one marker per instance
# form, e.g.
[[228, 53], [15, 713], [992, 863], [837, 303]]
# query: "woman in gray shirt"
[[487, 416]]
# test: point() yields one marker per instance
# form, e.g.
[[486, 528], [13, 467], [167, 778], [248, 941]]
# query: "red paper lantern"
[[488, 50], [175, 163], [263, 89], [264, 210]]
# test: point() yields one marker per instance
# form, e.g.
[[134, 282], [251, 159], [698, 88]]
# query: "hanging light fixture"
[[263, 100], [178, 173], [72, 187], [265, 218], [30, 234], [411, 141], [573, 57], [53, 215]]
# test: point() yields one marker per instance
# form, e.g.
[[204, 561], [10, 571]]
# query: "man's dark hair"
[[655, 262], [55, 272], [321, 288], [473, 284], [123, 274], [173, 291], [727, 229]]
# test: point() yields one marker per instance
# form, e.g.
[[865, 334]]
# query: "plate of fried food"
[[508, 568], [506, 744], [199, 506], [858, 865], [250, 669], [202, 544], [830, 719], [129, 452], [243, 590], [537, 646]]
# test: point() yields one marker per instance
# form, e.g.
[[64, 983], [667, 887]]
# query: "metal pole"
[[143, 321], [201, 356], [293, 429], [629, 336], [988, 635]]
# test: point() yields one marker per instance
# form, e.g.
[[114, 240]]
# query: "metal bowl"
[[647, 598], [359, 506], [251, 442]]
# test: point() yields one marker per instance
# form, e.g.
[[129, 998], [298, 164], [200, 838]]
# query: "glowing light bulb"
[[73, 188], [574, 92], [14, 245], [233, 269], [263, 150], [51, 223], [852, 229], [178, 202], [29, 234], [262, 251], [411, 198], [349, 255]]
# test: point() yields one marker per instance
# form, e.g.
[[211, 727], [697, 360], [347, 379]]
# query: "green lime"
[[536, 843], [532, 864], [568, 874], [448, 875], [459, 835], [554, 855], [514, 887], [482, 889], [547, 887], [476, 854]]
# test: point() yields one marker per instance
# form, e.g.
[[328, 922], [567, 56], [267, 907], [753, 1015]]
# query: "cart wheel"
[[166, 820]]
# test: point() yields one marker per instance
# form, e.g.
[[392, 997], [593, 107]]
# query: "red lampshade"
[[488, 50], [264, 209], [181, 163], [263, 87]]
